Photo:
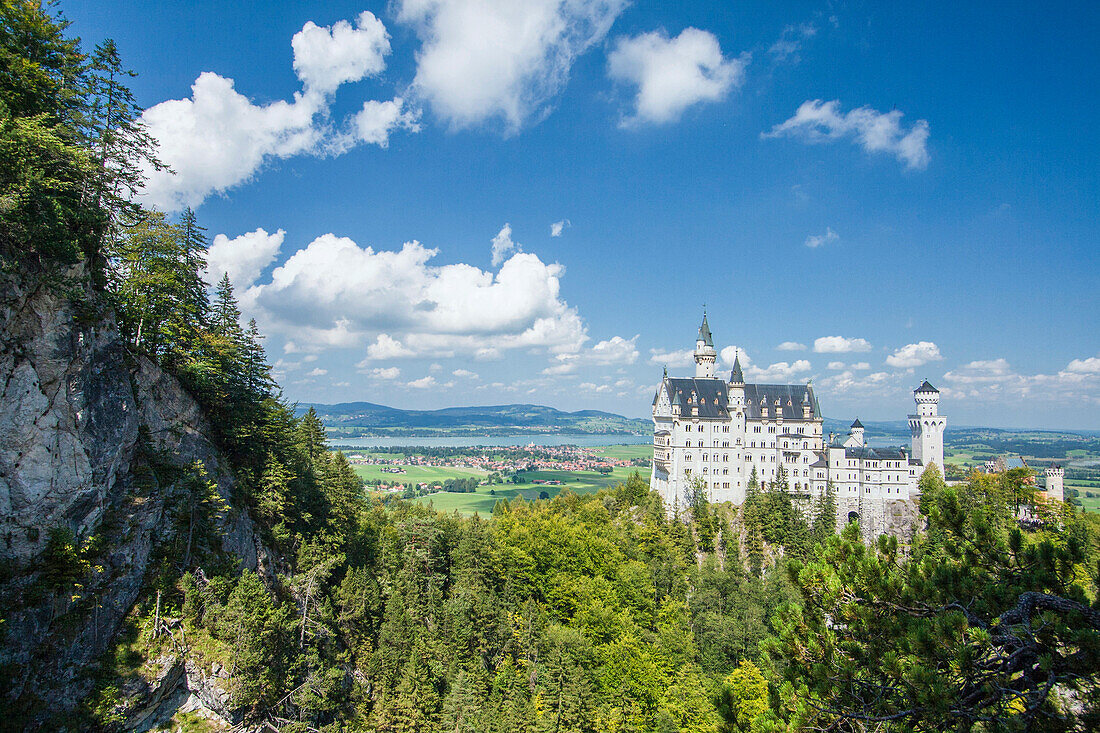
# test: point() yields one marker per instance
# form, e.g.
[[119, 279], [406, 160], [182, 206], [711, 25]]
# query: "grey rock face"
[[75, 408]]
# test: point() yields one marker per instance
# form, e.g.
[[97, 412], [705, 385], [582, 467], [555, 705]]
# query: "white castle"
[[708, 430]]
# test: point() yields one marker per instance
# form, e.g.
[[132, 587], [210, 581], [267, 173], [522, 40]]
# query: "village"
[[428, 470]]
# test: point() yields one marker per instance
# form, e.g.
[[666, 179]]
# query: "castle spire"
[[737, 376]]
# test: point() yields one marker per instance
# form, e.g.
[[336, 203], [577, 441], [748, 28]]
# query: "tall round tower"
[[927, 426], [705, 355]]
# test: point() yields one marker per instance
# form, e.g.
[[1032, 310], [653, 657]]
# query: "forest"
[[600, 612]]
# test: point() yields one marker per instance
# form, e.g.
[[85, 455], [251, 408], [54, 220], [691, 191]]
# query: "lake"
[[585, 441]]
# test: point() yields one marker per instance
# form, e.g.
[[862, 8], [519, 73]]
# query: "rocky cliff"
[[82, 420]]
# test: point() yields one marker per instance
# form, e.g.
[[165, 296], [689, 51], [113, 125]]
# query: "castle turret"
[[856, 438], [1054, 476], [927, 426], [705, 354]]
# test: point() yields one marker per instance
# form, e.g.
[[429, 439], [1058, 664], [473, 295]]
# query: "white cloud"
[[613, 351], [672, 74], [847, 382], [375, 121], [464, 374], [590, 387], [483, 60], [382, 372], [218, 138], [317, 372], [558, 227], [325, 58], [1090, 365], [386, 347], [780, 371], [995, 380], [914, 355], [243, 258], [422, 383], [980, 372], [816, 240], [790, 41], [730, 352], [682, 358], [876, 132], [791, 346], [334, 293], [861, 366], [503, 245], [835, 366], [840, 345]]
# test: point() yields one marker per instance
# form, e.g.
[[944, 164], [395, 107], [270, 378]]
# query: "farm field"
[[482, 502], [417, 474]]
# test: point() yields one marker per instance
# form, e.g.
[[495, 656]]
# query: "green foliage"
[[982, 626]]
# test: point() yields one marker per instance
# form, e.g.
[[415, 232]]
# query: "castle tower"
[[705, 355], [857, 433], [927, 425], [1054, 475]]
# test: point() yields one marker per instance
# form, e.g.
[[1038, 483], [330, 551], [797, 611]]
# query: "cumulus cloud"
[[816, 121], [980, 372], [840, 345], [591, 387], [422, 383], [386, 347], [848, 382], [729, 353], [672, 74], [464, 374], [503, 245], [382, 372], [994, 379], [374, 123], [914, 355], [558, 227], [662, 357], [816, 240], [791, 346], [325, 58], [780, 371], [1090, 365], [861, 366], [335, 293], [501, 60], [243, 258], [613, 351], [317, 372], [835, 366], [218, 138]]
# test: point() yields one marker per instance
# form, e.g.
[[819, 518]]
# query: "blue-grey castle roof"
[[926, 387], [704, 332], [709, 397]]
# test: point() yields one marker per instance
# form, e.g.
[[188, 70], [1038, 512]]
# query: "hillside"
[[351, 419]]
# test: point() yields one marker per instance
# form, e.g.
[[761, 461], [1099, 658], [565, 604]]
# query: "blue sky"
[[863, 194]]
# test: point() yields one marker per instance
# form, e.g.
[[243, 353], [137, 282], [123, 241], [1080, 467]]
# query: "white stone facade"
[[719, 431]]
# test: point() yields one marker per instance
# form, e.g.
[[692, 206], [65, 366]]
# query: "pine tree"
[[120, 145]]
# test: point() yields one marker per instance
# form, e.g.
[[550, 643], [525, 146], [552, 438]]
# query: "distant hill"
[[350, 419]]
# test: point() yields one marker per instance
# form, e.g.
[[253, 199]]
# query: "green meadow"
[[483, 500], [417, 474]]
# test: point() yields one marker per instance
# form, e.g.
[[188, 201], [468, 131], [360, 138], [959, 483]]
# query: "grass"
[[1090, 505], [482, 502]]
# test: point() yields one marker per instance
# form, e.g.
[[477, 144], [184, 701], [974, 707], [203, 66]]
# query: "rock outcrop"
[[79, 417]]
